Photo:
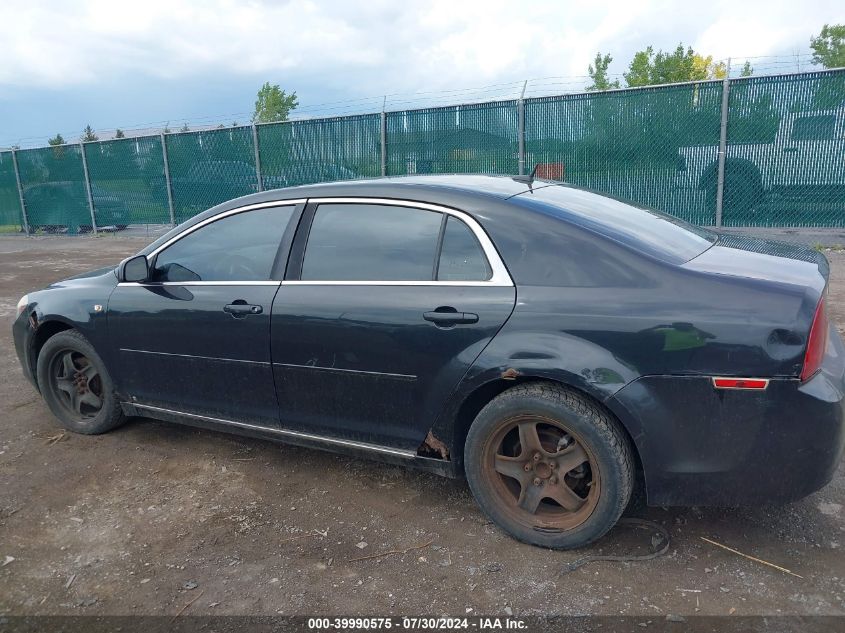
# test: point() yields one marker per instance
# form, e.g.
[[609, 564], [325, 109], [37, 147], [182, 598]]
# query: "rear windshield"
[[657, 234]]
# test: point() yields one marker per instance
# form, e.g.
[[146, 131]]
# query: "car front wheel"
[[549, 466], [76, 386]]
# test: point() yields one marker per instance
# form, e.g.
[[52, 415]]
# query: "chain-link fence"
[[54, 188], [630, 143], [480, 138], [11, 218], [758, 151], [128, 185], [785, 158], [319, 150]]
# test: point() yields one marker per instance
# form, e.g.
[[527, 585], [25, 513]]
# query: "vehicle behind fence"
[[755, 151]]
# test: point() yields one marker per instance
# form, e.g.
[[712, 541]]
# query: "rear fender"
[[521, 356]]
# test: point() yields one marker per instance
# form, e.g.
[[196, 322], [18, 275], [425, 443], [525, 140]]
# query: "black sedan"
[[552, 344]]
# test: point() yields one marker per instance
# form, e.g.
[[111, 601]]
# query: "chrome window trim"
[[500, 276], [462, 284], [200, 283], [376, 448], [225, 214]]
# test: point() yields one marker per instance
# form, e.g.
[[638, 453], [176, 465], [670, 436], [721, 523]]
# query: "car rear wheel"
[[549, 466], [76, 386]]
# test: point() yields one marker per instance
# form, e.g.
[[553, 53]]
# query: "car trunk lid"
[[766, 260]]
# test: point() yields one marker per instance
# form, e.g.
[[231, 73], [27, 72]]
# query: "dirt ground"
[[152, 517]]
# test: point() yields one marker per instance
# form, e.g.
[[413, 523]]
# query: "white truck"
[[805, 163]]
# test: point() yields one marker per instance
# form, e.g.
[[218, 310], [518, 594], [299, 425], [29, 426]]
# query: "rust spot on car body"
[[433, 446], [510, 374]]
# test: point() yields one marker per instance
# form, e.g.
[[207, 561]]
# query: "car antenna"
[[529, 179]]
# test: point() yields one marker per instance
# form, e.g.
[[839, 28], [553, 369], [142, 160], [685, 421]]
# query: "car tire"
[[76, 385], [571, 483]]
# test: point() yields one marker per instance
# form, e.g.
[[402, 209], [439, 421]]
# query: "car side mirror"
[[135, 269]]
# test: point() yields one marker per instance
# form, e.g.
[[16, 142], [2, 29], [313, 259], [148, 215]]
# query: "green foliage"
[[58, 139], [747, 70], [598, 73], [184, 128], [273, 104], [829, 46], [649, 69], [118, 133], [88, 135]]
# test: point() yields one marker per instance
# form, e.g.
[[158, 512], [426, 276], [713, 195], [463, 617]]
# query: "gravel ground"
[[152, 517]]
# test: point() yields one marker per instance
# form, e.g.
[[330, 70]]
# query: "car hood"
[[101, 276]]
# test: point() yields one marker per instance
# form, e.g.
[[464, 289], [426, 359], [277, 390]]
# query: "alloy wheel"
[[543, 474], [76, 383]]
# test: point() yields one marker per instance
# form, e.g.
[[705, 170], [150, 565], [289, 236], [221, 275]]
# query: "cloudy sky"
[[138, 64]]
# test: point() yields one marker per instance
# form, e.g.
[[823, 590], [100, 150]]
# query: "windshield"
[[653, 232]]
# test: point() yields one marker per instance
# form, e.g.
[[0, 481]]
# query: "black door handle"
[[444, 317], [241, 309]]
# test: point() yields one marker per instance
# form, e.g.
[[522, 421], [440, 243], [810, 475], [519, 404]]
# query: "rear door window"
[[371, 242]]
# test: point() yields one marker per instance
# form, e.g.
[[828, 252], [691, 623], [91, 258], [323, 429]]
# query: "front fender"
[[72, 304]]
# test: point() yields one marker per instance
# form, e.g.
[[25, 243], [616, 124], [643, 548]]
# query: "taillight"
[[816, 343]]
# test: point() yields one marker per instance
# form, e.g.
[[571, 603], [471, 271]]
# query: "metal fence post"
[[88, 187], [167, 183], [257, 158], [520, 122], [20, 191], [723, 143], [384, 137]]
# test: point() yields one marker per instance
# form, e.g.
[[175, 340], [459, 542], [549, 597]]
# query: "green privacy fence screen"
[[479, 138], [303, 152], [785, 159], [628, 142], [10, 204], [127, 182], [210, 167], [54, 189], [783, 162]]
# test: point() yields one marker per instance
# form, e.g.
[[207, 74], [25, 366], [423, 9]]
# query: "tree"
[[639, 70], [118, 133], [829, 46], [273, 104], [598, 73], [184, 128], [88, 135], [709, 68], [649, 69], [57, 140], [747, 70], [166, 129]]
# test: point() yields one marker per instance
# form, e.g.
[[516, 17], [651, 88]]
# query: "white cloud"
[[378, 45]]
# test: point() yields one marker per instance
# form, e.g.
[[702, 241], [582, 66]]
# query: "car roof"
[[395, 186]]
